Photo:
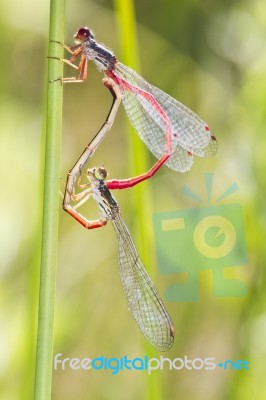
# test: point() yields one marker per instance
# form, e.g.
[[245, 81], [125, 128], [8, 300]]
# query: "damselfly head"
[[83, 34]]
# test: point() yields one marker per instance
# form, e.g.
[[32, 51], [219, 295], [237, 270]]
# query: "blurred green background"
[[209, 55]]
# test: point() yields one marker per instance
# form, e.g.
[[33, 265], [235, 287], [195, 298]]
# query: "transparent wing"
[[142, 297], [189, 134]]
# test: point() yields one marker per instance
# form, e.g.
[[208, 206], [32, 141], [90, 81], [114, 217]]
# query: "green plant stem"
[[138, 154], [44, 353], [138, 162]]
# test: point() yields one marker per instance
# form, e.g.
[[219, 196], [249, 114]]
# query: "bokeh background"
[[211, 56]]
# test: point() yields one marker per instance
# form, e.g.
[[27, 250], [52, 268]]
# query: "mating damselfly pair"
[[171, 131]]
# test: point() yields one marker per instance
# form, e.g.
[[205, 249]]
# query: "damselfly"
[[142, 297], [171, 131]]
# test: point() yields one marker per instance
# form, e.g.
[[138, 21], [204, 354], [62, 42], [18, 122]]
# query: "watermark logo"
[[210, 236], [125, 363]]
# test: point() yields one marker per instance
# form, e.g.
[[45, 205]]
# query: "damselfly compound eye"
[[100, 173], [83, 33]]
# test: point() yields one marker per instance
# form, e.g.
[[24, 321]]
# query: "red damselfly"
[[171, 131]]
